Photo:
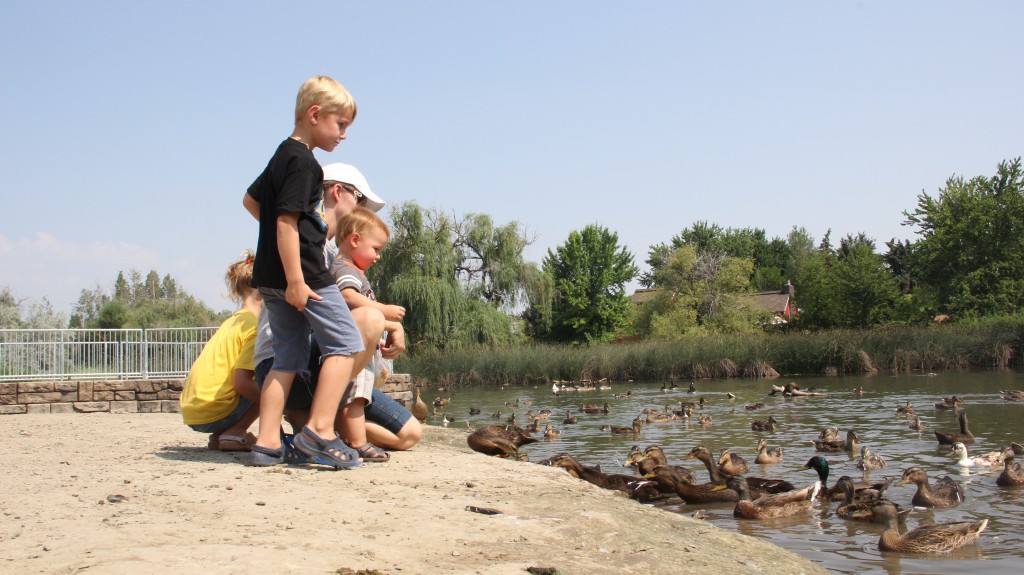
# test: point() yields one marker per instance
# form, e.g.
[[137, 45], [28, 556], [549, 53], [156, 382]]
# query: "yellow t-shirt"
[[209, 394]]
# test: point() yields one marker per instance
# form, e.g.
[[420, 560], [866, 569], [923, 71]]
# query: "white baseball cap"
[[349, 174]]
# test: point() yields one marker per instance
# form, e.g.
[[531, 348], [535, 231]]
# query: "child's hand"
[[297, 294], [393, 312], [394, 344]]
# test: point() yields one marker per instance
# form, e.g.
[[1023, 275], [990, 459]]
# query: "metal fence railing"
[[61, 354]]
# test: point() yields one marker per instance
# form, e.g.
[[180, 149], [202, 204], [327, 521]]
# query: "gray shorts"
[[329, 319]]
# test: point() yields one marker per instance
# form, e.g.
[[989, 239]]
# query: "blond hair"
[[325, 92], [360, 220], [239, 277]]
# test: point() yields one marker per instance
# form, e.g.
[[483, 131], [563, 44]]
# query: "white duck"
[[990, 459]]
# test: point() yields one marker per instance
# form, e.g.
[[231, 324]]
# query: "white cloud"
[[58, 269]]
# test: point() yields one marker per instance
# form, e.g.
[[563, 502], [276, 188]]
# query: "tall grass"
[[993, 342]]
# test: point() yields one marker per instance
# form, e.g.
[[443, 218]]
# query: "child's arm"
[[251, 206], [297, 292], [394, 344], [355, 299]]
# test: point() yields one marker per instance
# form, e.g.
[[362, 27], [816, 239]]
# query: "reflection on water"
[[838, 545]]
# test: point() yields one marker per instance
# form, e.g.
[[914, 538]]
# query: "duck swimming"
[[769, 506], [757, 484], [860, 509], [991, 459], [936, 538], [731, 464], [944, 493], [863, 489], [1012, 475], [645, 461], [671, 479], [952, 402], [767, 455], [764, 425], [965, 436], [849, 445], [869, 461]]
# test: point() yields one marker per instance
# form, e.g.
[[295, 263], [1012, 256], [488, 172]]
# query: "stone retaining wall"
[[126, 396]]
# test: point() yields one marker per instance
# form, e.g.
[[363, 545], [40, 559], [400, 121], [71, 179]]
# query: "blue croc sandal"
[[292, 456], [331, 452], [260, 456]]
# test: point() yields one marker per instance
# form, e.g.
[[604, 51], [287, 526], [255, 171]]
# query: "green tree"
[[10, 310], [589, 272], [86, 312], [971, 250], [139, 303], [458, 278]]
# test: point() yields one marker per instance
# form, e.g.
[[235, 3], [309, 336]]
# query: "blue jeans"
[[226, 421]]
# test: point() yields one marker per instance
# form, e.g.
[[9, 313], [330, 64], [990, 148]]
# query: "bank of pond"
[[691, 422]]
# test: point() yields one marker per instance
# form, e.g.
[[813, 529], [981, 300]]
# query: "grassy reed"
[[994, 342]]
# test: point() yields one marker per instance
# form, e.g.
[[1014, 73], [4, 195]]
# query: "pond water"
[[838, 545]]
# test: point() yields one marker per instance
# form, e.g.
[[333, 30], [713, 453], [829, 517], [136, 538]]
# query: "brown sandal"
[[370, 452]]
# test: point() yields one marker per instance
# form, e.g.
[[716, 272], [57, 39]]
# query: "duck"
[[496, 415], [944, 493], [770, 506], [753, 406], [829, 434], [850, 445], [499, 440], [474, 411], [533, 426], [731, 464], [935, 538], [705, 420], [1012, 474], [917, 424], [952, 402], [569, 418], [907, 409], [645, 461], [446, 419], [542, 414], [594, 475], [1012, 394], [693, 388], [863, 489], [634, 430], [512, 403], [441, 401], [767, 455], [764, 425], [671, 479], [859, 509], [590, 408], [511, 420], [551, 432], [990, 459], [419, 408], [758, 484], [869, 461], [965, 436]]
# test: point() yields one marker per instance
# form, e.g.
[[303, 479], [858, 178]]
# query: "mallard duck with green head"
[[834, 493], [944, 493], [936, 538]]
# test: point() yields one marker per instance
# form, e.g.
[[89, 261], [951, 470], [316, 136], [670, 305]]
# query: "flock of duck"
[[729, 478]]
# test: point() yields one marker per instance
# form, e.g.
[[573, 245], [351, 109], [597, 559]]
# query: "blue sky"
[[133, 128]]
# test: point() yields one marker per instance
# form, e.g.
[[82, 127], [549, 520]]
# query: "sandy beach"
[[140, 493]]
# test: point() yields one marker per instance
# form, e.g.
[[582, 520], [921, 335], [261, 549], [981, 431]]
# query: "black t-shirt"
[[291, 183]]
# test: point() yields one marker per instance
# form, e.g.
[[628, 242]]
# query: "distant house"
[[779, 303]]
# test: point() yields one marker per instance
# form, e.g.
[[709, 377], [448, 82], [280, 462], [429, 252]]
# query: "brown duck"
[[944, 493], [770, 506], [935, 538], [419, 407], [759, 485], [731, 464], [849, 445], [645, 461], [499, 439], [670, 478], [965, 436]]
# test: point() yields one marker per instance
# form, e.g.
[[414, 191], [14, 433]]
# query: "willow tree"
[[459, 279]]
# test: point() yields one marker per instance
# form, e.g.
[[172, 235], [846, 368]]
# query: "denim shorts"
[[384, 411], [329, 318], [226, 421]]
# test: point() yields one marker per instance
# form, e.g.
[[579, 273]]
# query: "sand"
[[186, 509]]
